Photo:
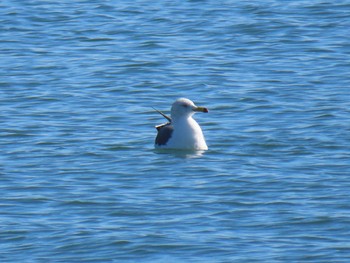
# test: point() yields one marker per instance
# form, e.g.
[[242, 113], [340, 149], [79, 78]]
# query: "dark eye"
[[184, 105]]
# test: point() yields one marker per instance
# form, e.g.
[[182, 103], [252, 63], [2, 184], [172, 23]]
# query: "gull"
[[181, 131]]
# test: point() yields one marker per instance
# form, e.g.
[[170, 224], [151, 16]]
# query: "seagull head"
[[185, 108]]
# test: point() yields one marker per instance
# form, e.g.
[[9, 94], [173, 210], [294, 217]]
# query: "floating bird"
[[181, 131]]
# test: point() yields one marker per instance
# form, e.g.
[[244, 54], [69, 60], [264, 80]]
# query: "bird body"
[[182, 132]]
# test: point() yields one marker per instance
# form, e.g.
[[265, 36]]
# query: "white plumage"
[[182, 131]]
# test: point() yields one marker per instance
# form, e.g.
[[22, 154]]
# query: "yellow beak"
[[201, 109]]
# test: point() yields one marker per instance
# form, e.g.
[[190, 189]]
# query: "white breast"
[[187, 135]]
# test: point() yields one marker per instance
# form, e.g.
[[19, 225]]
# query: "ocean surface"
[[80, 180]]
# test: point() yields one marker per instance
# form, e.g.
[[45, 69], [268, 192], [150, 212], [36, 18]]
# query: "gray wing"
[[164, 133]]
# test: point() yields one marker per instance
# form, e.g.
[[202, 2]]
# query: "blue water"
[[80, 180]]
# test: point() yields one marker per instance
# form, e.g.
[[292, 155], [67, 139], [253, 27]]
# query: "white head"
[[185, 108]]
